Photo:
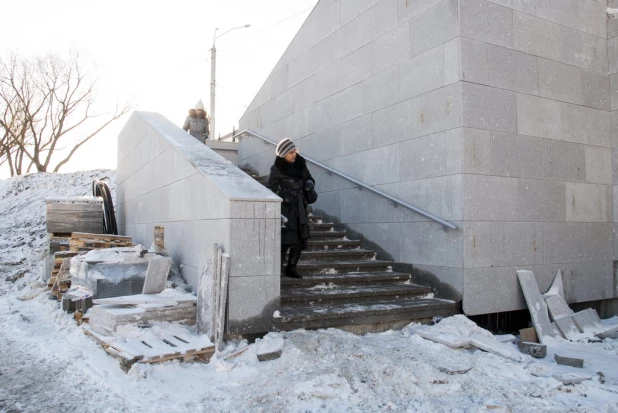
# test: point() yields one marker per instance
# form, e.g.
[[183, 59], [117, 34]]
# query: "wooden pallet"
[[84, 242], [154, 350]]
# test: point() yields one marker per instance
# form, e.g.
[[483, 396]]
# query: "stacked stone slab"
[[495, 115]]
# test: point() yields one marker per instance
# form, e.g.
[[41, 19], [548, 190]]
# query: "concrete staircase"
[[345, 286]]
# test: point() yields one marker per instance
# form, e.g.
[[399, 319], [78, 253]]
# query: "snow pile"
[[318, 371]]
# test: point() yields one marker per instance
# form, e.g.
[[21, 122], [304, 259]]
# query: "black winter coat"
[[288, 181]]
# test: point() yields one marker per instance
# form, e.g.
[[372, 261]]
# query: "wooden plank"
[[536, 305], [104, 237]]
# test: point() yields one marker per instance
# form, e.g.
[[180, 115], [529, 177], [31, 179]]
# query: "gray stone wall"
[[495, 115], [166, 177]]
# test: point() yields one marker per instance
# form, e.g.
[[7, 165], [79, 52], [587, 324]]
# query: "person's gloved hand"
[[309, 186]]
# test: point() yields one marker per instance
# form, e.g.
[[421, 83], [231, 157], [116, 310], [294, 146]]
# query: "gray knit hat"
[[284, 147]]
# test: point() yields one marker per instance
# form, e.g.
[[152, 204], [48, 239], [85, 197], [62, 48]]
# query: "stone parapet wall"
[[166, 177]]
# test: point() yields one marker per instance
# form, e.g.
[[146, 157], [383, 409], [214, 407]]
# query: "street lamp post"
[[213, 69]]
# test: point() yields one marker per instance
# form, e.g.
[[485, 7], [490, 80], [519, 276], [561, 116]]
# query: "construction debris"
[[568, 378], [536, 306], [535, 350], [156, 275], [171, 306], [81, 241], [569, 361], [148, 346], [269, 348]]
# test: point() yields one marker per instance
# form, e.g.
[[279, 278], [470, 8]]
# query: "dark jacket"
[[288, 180], [197, 126]]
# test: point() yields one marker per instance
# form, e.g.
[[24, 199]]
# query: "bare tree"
[[47, 106]]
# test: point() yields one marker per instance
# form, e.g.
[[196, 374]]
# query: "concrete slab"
[[569, 361], [499, 349], [156, 275], [270, 348], [588, 321], [557, 307], [567, 327], [536, 305], [449, 340], [556, 287], [535, 350]]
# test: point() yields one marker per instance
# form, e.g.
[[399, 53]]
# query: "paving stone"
[[557, 307], [569, 361], [567, 327], [588, 321], [535, 350], [270, 348], [568, 378], [536, 305], [492, 346], [156, 275]]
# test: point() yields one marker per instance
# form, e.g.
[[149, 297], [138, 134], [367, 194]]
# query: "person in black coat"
[[290, 178]]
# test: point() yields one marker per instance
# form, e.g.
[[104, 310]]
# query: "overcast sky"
[[156, 55]]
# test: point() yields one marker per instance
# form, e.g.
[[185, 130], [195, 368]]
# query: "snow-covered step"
[[332, 244], [357, 278], [336, 255], [340, 267]]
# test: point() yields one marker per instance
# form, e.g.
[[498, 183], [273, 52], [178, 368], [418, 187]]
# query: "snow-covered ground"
[[49, 365]]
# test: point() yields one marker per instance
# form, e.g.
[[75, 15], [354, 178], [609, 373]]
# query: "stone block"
[[488, 22], [560, 81], [595, 15], [583, 50], [535, 350], [541, 200], [434, 27], [588, 321], [527, 6], [598, 165], [423, 157], [391, 48], [437, 110], [357, 135], [441, 196], [325, 144], [614, 128], [516, 155], [474, 66], [538, 117], [600, 242], [564, 161], [351, 9], [359, 206], [422, 73], [612, 51], [392, 124], [614, 91], [304, 94], [478, 244], [564, 242], [321, 55], [517, 243], [269, 348], [254, 244], [596, 90], [512, 70], [427, 243], [468, 151], [326, 82], [491, 290], [380, 90], [569, 361], [567, 327], [489, 108], [358, 65], [585, 125], [564, 12], [451, 61], [536, 36], [587, 203], [407, 9], [384, 161], [490, 198], [378, 20], [252, 302], [348, 38], [279, 81]]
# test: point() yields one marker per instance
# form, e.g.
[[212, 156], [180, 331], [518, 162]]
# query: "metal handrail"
[[446, 224]]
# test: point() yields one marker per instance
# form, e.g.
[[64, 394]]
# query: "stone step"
[[342, 267], [336, 255], [332, 244], [325, 316], [315, 218], [320, 226], [335, 295], [356, 279], [324, 235]]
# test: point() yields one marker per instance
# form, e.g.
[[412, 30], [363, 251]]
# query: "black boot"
[[284, 251], [293, 260]]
